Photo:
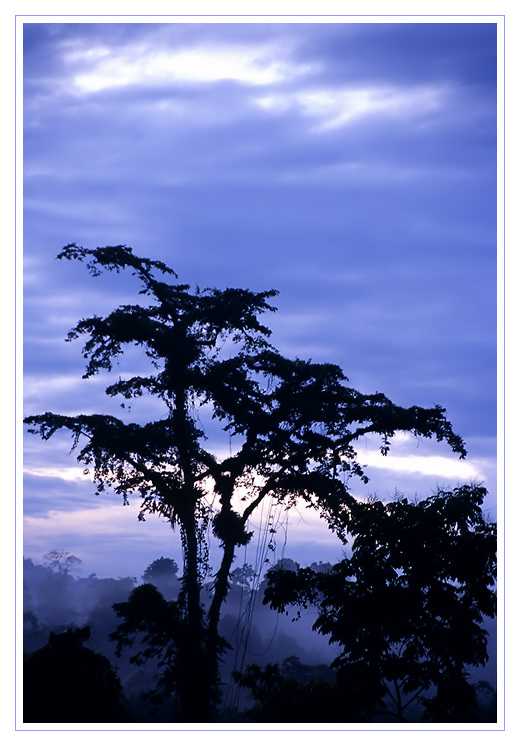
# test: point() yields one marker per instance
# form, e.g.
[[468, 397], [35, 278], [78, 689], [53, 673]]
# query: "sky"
[[351, 166]]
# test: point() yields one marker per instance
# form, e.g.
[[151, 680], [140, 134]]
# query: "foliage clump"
[[408, 607]]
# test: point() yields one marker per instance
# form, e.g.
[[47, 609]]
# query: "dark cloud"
[[404, 52]]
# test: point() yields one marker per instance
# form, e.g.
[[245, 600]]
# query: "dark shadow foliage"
[[157, 629], [291, 692], [408, 607], [282, 698], [65, 682]]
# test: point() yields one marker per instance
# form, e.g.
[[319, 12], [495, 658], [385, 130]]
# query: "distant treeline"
[[275, 669]]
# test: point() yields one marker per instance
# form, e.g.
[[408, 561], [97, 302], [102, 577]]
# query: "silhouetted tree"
[[407, 608], [162, 573], [159, 630], [61, 562], [160, 568], [292, 425], [290, 693], [65, 682]]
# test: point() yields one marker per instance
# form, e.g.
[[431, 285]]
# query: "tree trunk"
[[220, 592], [195, 682]]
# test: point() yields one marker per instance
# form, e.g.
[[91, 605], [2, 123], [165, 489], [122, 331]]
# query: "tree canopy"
[[407, 607], [65, 682], [293, 425]]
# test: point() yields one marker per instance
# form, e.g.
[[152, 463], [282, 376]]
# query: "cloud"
[[417, 466], [67, 473], [145, 65], [441, 467], [332, 108]]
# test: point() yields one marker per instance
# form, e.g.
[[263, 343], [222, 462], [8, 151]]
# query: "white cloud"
[[114, 519], [443, 467], [333, 108], [68, 473], [266, 66], [252, 66]]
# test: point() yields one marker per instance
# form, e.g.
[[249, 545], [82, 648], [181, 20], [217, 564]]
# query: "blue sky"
[[351, 166]]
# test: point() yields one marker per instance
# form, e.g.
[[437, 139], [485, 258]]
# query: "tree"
[[407, 608], [65, 682], [62, 562], [164, 567], [158, 629], [292, 425], [291, 692], [162, 573]]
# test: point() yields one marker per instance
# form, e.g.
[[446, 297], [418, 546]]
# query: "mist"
[[57, 599]]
